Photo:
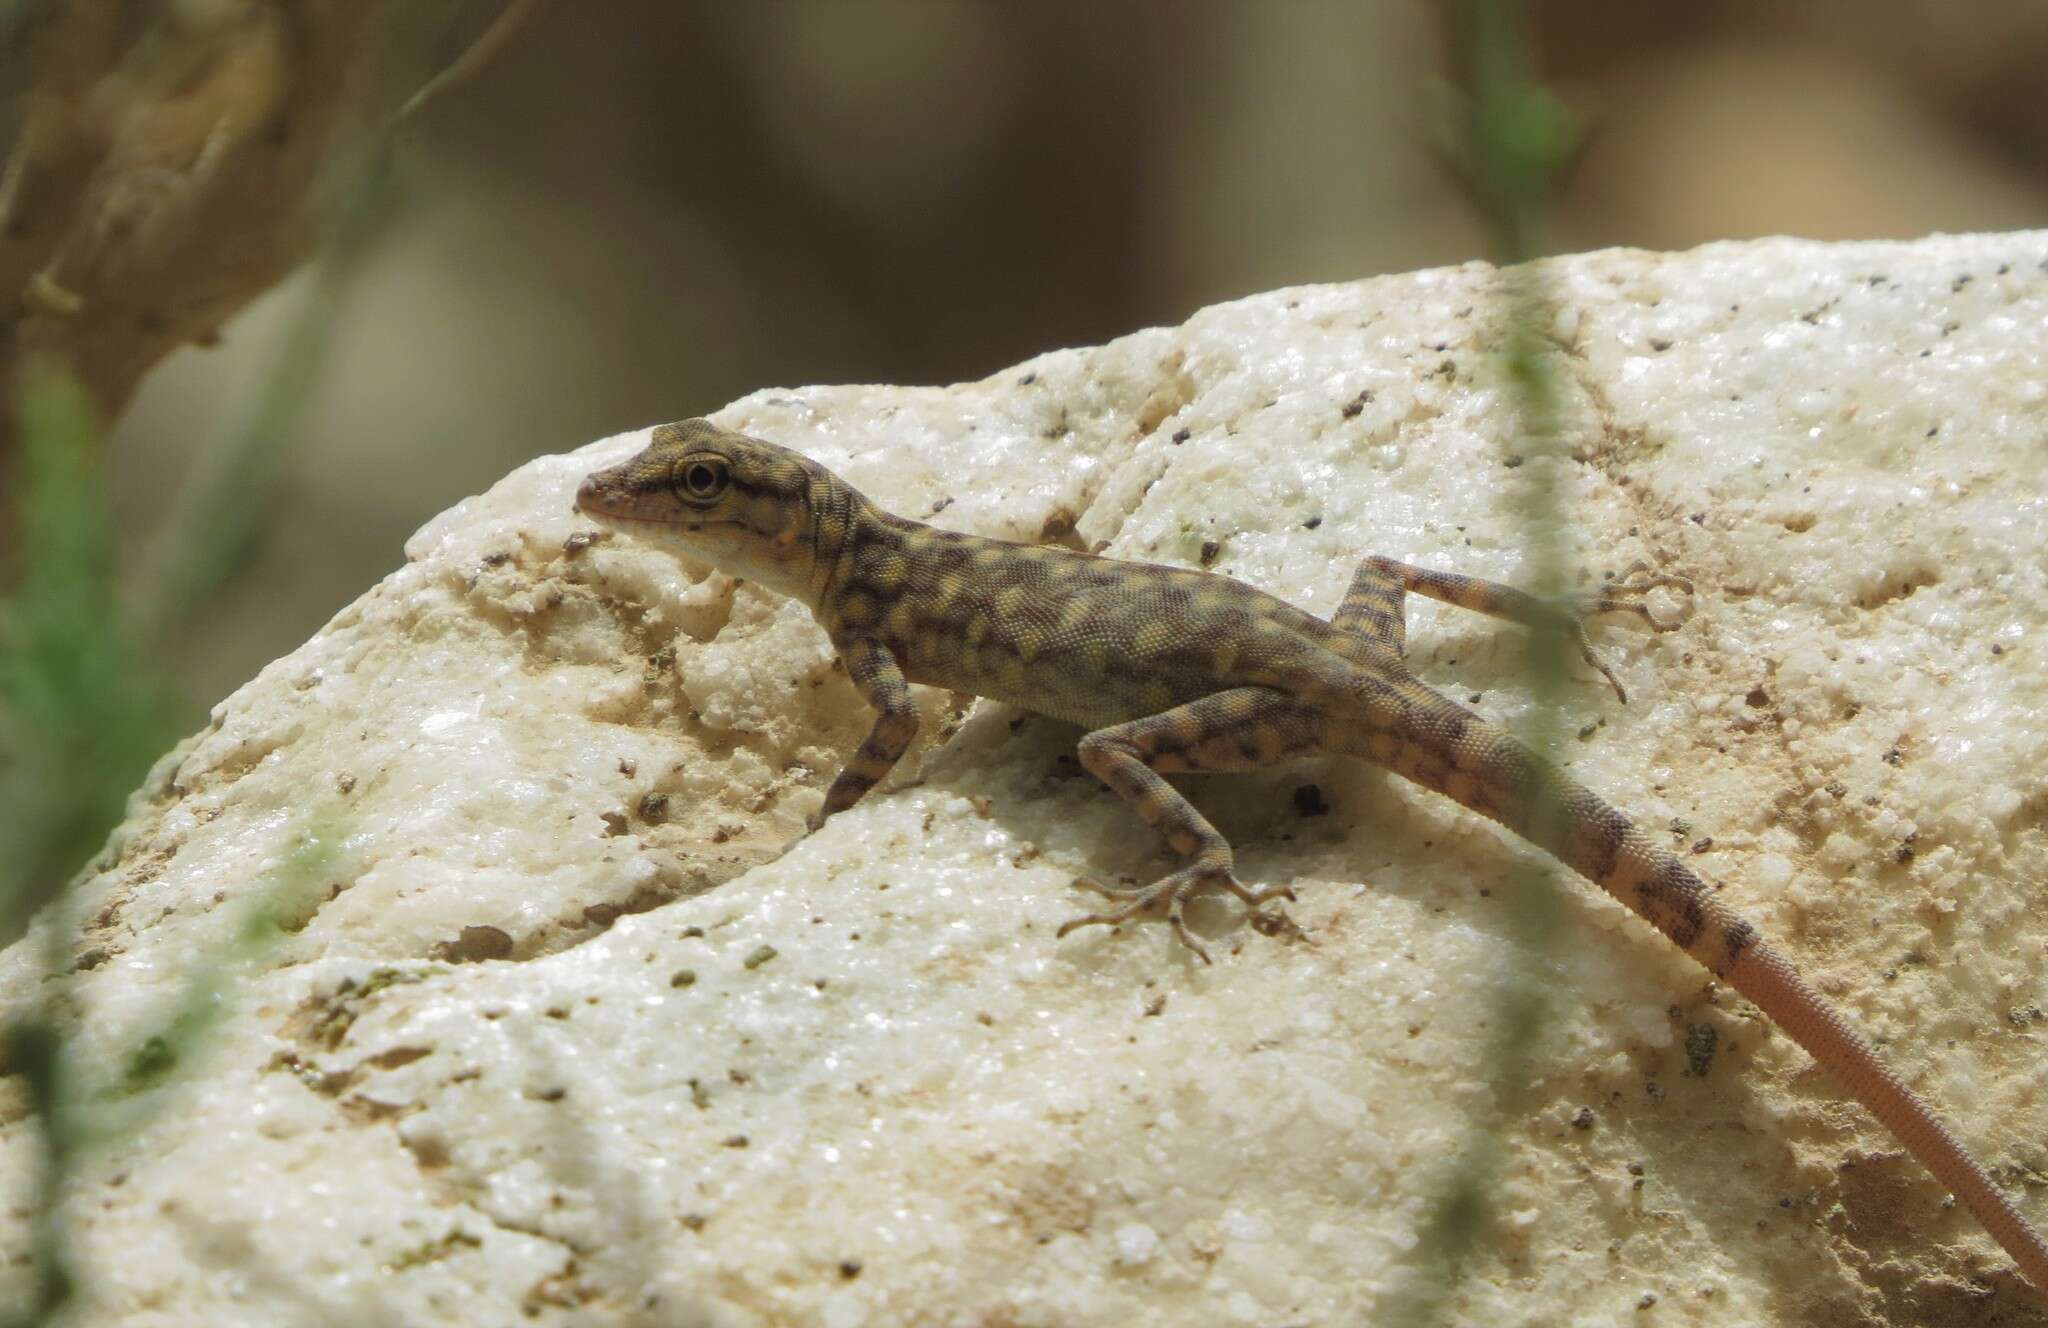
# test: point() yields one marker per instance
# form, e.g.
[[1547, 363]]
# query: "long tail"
[[1442, 746]]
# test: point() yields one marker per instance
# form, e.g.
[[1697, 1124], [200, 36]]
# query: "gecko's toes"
[[1187, 938], [1175, 890], [1252, 898], [1625, 595], [1139, 901], [1128, 889]]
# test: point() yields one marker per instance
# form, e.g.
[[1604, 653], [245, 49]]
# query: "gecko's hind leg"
[[1373, 608], [1240, 729]]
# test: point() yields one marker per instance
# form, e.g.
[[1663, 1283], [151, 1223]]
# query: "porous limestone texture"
[[554, 1036]]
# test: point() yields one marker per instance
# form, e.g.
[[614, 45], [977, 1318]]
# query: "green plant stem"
[[1516, 142]]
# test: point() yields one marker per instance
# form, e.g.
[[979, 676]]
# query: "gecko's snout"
[[615, 491]]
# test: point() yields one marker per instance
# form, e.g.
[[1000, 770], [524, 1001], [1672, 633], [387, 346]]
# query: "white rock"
[[556, 1038], [1137, 1243]]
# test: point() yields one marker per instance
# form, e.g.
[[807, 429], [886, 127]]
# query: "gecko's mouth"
[[613, 517], [617, 517]]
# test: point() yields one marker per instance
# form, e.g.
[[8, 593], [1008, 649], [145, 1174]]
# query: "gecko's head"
[[741, 504]]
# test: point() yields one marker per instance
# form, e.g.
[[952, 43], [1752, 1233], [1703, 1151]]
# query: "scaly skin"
[[1176, 670]]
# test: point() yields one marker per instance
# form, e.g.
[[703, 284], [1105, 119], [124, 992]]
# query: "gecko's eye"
[[703, 478]]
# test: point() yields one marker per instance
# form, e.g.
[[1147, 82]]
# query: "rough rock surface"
[[553, 1036]]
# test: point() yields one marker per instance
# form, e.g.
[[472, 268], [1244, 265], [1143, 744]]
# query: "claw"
[[1187, 938], [1587, 653]]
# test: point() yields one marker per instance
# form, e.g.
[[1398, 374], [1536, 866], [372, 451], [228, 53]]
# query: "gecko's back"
[[1062, 633]]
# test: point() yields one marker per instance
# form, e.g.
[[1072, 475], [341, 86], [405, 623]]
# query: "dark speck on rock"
[[1700, 1043]]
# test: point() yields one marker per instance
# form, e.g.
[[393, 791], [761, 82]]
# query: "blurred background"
[[637, 210]]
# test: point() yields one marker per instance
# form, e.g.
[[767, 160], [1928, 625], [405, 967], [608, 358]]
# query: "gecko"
[[1168, 670]]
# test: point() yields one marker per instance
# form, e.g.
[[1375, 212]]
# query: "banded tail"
[[1447, 748]]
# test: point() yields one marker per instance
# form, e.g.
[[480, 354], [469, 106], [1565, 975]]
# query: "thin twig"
[[466, 66]]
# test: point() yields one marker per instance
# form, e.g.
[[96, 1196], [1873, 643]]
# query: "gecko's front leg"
[[878, 679]]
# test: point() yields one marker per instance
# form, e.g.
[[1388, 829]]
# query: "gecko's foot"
[[1624, 595], [1176, 889]]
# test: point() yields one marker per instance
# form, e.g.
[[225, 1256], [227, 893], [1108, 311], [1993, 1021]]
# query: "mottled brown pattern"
[[1671, 897], [1176, 670]]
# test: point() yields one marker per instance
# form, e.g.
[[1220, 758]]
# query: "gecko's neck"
[[843, 521]]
